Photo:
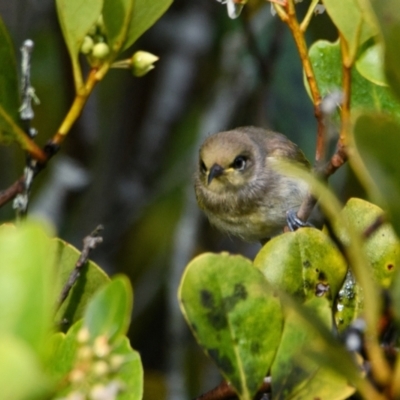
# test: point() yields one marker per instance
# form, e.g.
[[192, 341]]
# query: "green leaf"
[[66, 356], [21, 376], [145, 15], [388, 17], [117, 15], [326, 60], [27, 284], [91, 279], [76, 18], [304, 264], [370, 65], [296, 376], [234, 316], [377, 139], [382, 249], [9, 88], [350, 20], [109, 311], [131, 373], [63, 352]]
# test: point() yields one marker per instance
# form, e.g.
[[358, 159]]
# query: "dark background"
[[129, 160]]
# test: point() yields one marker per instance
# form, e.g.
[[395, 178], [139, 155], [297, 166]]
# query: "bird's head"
[[227, 162]]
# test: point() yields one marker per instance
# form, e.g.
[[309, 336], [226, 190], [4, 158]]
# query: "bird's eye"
[[239, 163], [203, 167]]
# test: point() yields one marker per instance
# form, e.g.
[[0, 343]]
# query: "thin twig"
[[53, 145], [76, 107], [340, 156], [298, 36], [21, 200], [27, 91], [379, 221], [310, 12], [89, 243]]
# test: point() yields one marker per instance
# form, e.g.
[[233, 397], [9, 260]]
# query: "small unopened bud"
[[83, 335], [100, 368], [85, 353], [87, 45], [75, 396], [77, 376], [100, 51], [101, 347], [142, 62], [116, 361], [110, 391]]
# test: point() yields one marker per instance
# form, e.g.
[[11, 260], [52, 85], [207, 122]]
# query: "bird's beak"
[[215, 171]]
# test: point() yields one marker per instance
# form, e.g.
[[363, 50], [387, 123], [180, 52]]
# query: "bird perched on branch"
[[238, 188]]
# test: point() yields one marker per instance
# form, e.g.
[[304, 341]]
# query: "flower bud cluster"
[[94, 45], [94, 375]]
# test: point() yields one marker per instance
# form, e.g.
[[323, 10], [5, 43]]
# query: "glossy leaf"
[[76, 18], [370, 65], [91, 279], [21, 375], [377, 139], [27, 284], [388, 17], [234, 316], [304, 263], [348, 16], [117, 15], [145, 14], [382, 249], [9, 88], [294, 375], [109, 311], [326, 60]]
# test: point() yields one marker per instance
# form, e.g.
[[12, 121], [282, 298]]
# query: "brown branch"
[[43, 156], [298, 36], [347, 64], [89, 243], [9, 193], [340, 156]]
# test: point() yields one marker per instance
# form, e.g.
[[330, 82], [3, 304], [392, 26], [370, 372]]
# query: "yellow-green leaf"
[[234, 315], [304, 263]]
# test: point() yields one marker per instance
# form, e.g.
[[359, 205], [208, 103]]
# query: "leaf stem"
[[27, 143], [306, 21], [76, 108], [347, 65]]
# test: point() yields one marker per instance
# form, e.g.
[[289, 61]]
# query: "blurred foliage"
[[133, 151]]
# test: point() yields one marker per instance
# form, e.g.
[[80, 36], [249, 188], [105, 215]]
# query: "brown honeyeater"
[[238, 188]]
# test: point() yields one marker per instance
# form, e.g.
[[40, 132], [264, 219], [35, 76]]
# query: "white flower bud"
[[101, 347], [83, 335], [100, 368], [87, 45], [100, 51], [142, 62]]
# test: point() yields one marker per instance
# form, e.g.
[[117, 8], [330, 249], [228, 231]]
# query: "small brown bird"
[[237, 188]]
